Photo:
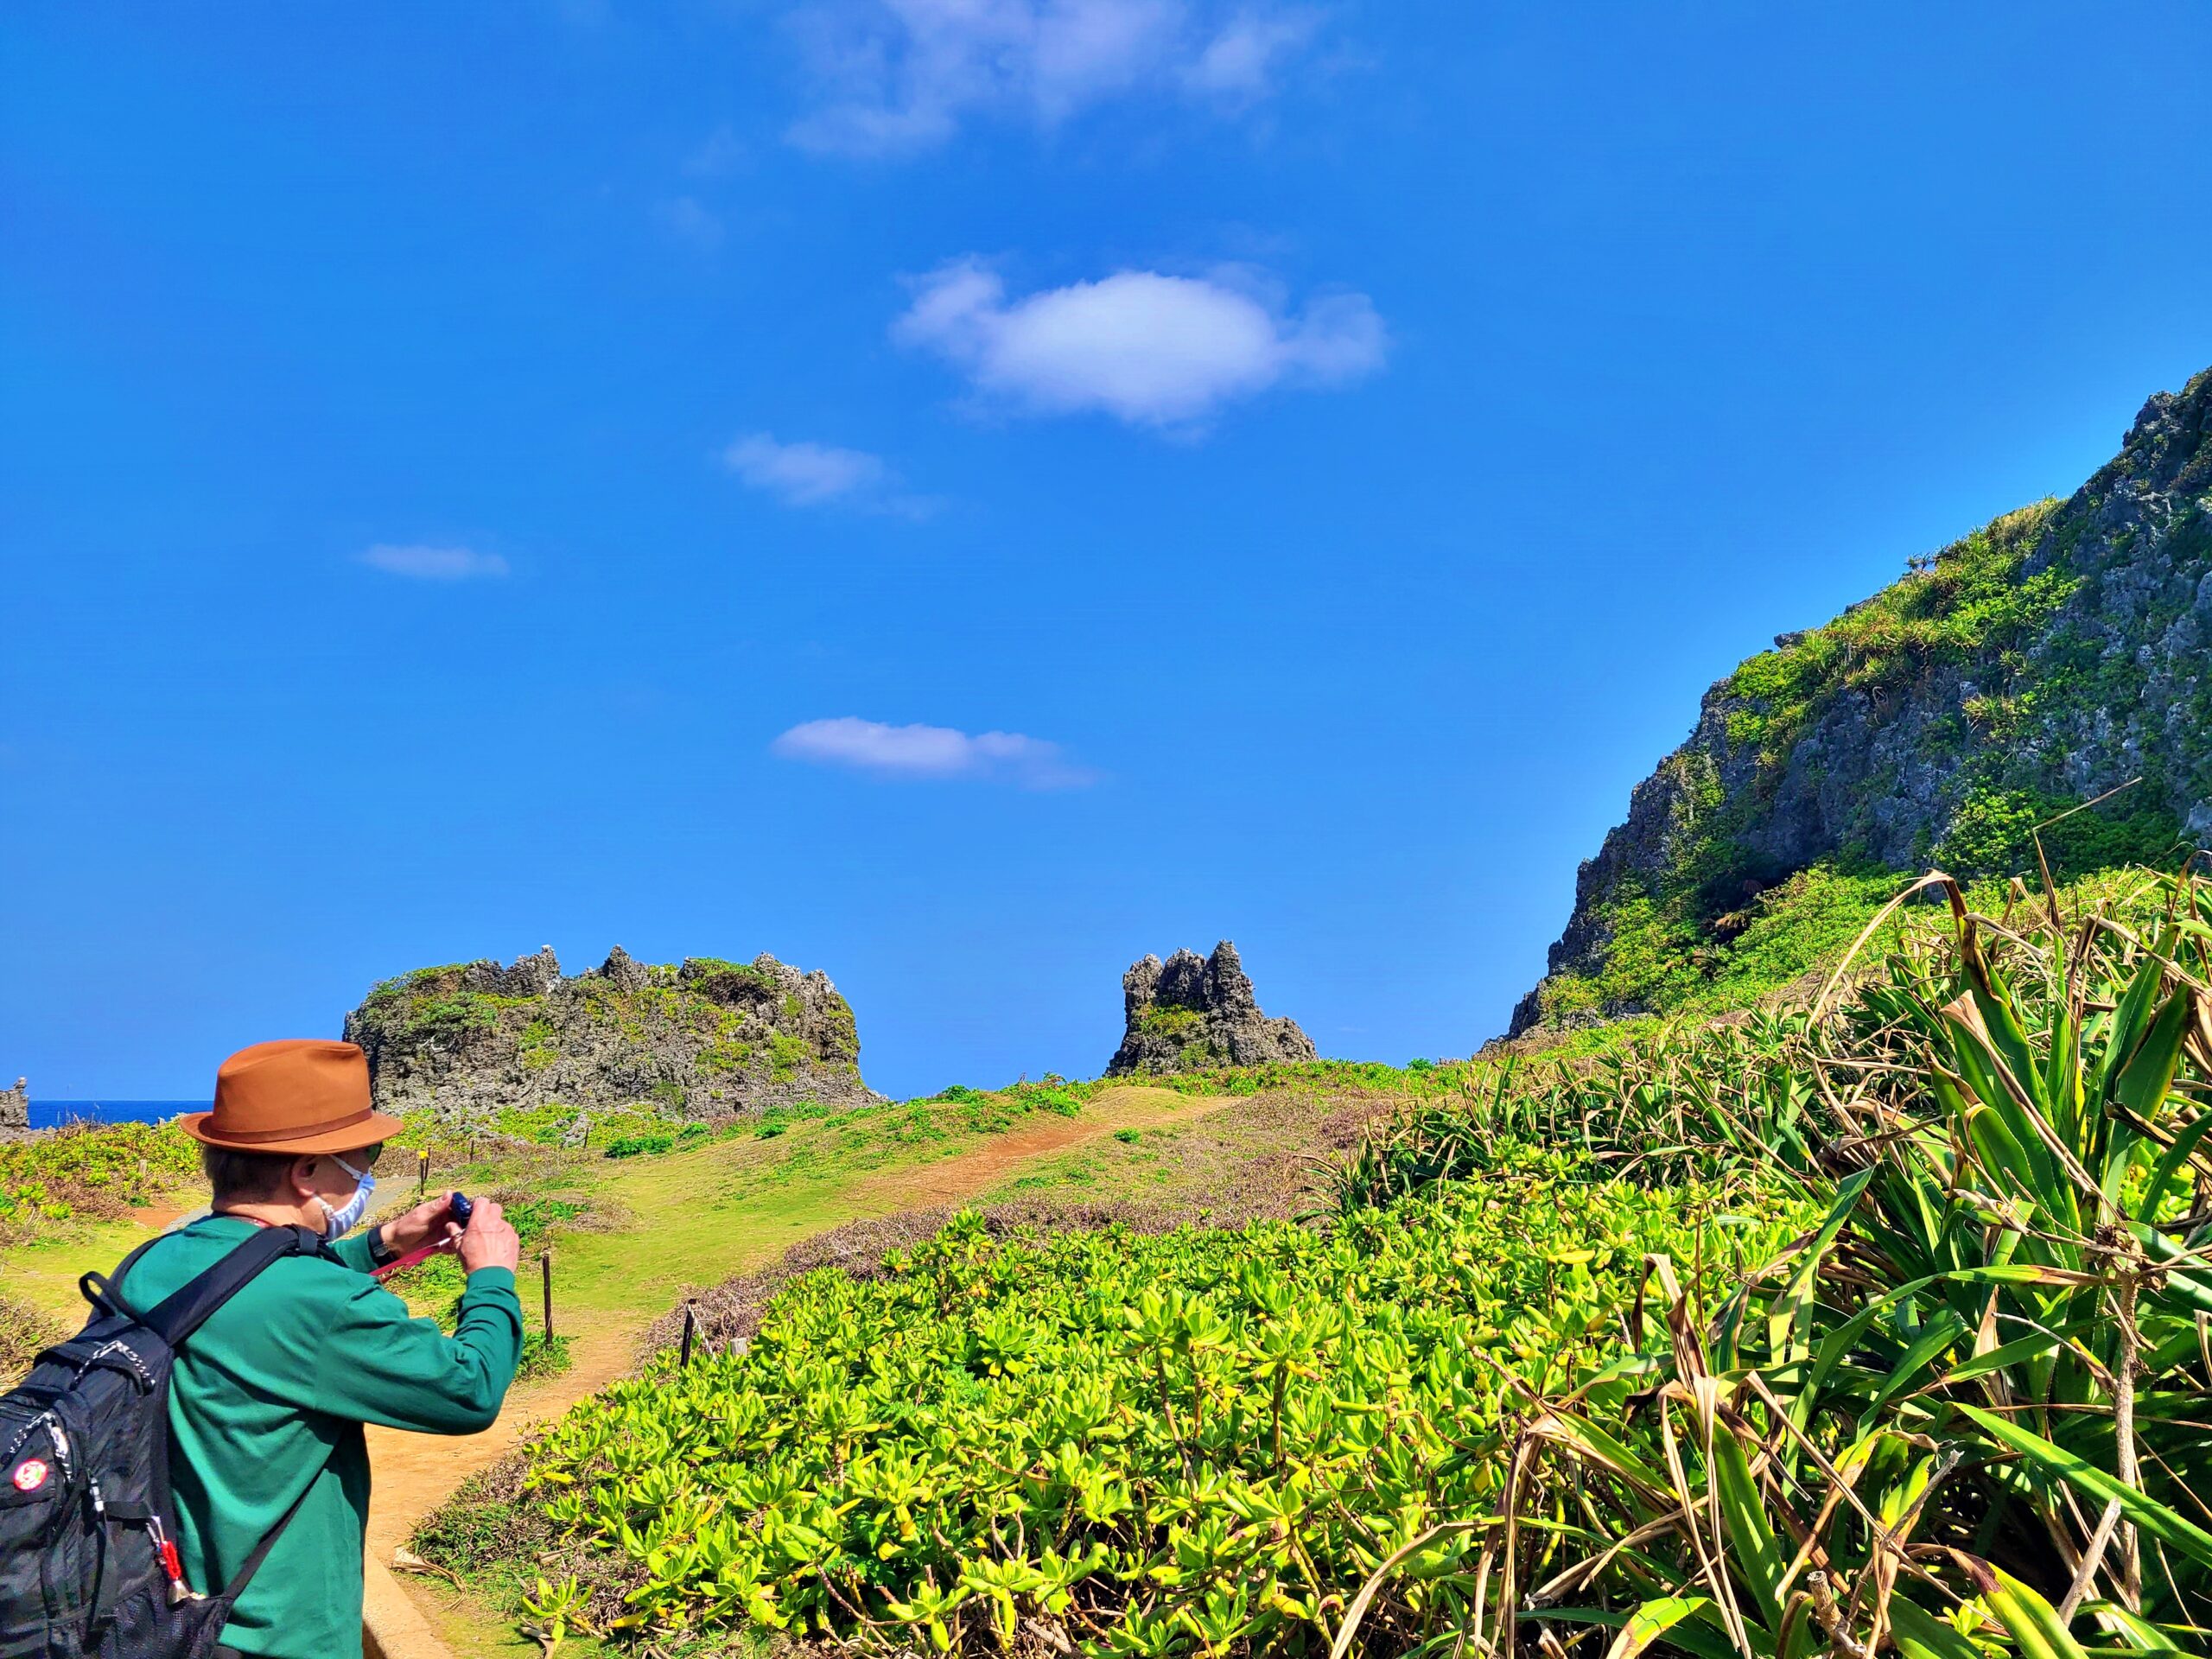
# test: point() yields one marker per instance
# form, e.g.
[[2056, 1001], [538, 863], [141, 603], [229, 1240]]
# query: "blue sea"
[[45, 1114]]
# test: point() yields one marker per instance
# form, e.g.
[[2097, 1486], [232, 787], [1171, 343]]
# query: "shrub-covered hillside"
[[1878, 1327], [2057, 654]]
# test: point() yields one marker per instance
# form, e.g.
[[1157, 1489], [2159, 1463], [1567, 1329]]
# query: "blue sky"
[[478, 477]]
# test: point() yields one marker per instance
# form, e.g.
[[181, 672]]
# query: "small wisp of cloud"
[[807, 474], [722, 153], [1148, 348], [920, 752], [1239, 65], [419, 562], [689, 220], [898, 76]]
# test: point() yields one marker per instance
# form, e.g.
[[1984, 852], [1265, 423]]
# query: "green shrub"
[[542, 1356], [546, 1125], [1994, 833], [90, 1170]]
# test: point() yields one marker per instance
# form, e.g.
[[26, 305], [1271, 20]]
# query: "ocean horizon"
[[51, 1113]]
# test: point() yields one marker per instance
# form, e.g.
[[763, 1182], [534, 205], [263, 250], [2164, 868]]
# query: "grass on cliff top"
[[1961, 604]]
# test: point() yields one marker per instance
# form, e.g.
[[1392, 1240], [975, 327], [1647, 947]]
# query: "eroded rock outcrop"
[[704, 1038], [15, 1109], [2059, 652], [1190, 1013]]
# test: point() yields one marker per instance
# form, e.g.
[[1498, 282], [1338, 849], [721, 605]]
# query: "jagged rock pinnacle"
[[1190, 1013]]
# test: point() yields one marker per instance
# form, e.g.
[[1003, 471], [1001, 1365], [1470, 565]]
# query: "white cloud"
[[901, 74], [424, 563], [1148, 348], [931, 752], [691, 220], [1239, 64], [802, 474]]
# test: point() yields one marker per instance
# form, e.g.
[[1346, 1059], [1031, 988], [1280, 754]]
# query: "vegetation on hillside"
[[1972, 602], [84, 1170], [1682, 952], [1875, 1327], [729, 1017], [1093, 1393], [1939, 723]]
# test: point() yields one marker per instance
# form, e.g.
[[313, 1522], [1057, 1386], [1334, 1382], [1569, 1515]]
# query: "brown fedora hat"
[[300, 1095]]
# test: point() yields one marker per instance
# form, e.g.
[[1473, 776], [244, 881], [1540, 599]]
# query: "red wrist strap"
[[408, 1260]]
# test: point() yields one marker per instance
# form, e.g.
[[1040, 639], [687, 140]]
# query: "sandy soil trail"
[[414, 1473]]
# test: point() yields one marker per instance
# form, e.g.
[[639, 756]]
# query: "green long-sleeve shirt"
[[267, 1402]]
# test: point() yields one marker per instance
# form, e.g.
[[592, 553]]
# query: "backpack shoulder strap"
[[183, 1311], [106, 1291]]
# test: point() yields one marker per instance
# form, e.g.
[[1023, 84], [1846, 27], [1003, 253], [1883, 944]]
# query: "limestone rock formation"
[[1189, 1013], [707, 1037], [2059, 652], [15, 1109]]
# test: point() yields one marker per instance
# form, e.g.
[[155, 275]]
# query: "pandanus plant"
[[1969, 1412]]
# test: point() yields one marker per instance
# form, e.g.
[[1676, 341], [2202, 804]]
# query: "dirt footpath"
[[415, 1473]]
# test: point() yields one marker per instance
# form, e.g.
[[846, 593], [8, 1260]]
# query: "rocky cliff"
[[16, 1108], [2057, 654], [1190, 1013], [703, 1039]]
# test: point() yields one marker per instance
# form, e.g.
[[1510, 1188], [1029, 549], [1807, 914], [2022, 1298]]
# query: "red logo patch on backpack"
[[31, 1475]]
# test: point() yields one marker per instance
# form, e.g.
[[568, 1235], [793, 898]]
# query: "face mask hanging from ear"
[[342, 1221]]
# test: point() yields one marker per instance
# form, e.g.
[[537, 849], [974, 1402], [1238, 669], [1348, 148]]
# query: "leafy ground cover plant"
[[1150, 1442]]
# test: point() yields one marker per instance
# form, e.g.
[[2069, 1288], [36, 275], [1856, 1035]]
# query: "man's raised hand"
[[412, 1230], [489, 1241]]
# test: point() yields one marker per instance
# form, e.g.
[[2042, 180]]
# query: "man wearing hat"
[[268, 1398]]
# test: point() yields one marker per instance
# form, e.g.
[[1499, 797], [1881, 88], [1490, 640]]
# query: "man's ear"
[[302, 1176]]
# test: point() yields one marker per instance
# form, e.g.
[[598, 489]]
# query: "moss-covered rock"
[[704, 1038]]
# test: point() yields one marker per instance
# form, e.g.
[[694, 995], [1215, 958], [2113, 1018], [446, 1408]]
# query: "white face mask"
[[342, 1221]]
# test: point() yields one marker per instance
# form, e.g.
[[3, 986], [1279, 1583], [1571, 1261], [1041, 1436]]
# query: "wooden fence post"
[[422, 1172], [545, 1263], [690, 1319]]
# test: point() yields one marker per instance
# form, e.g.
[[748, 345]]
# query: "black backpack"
[[88, 1562]]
